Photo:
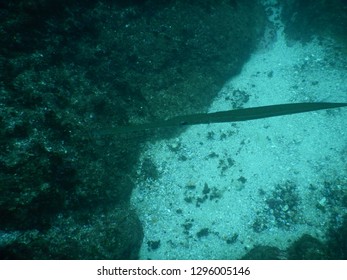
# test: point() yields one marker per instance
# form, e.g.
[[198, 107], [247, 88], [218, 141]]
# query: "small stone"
[[322, 202]]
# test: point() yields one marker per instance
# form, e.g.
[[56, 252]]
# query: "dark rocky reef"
[[307, 247], [306, 19], [70, 68]]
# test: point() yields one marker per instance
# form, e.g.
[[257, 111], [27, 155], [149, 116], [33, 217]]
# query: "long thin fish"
[[237, 115]]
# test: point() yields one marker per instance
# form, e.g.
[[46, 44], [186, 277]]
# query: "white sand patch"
[[218, 191]]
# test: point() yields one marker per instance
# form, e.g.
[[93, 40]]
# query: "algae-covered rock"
[[71, 68], [114, 235], [305, 20]]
